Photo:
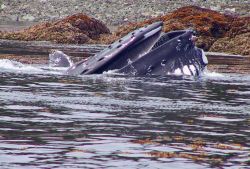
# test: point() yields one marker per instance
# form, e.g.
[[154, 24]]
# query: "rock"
[[78, 28], [217, 32], [14, 17], [28, 17], [237, 39], [230, 10], [2, 6], [215, 8], [207, 23], [205, 42], [240, 25], [240, 44]]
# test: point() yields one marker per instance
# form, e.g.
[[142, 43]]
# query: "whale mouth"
[[119, 53], [145, 52]]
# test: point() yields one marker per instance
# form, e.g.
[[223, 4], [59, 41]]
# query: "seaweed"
[[78, 28], [217, 32]]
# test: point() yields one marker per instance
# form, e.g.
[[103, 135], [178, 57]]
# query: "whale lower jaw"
[[177, 55]]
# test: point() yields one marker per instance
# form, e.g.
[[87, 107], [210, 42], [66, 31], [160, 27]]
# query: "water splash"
[[207, 73], [14, 66], [7, 65]]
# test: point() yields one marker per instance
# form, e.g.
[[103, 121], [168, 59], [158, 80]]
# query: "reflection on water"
[[49, 120]]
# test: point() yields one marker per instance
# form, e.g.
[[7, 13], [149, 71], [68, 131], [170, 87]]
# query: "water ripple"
[[114, 121]]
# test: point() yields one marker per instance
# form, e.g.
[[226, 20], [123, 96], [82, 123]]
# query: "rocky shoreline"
[[217, 32], [111, 12]]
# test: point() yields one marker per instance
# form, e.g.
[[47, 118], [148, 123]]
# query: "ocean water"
[[51, 120]]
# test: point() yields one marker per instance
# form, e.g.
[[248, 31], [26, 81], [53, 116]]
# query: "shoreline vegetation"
[[227, 32]]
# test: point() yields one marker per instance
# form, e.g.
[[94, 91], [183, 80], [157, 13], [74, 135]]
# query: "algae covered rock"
[[208, 24], [239, 44], [78, 28], [216, 31], [239, 26], [237, 39]]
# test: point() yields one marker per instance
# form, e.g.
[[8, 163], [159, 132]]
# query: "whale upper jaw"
[[121, 52]]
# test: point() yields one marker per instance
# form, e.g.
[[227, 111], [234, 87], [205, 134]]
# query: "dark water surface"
[[49, 120]]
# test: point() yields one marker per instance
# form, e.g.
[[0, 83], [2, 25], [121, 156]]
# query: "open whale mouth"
[[121, 52], [145, 52]]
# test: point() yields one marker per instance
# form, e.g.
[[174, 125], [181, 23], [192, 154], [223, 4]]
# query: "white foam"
[[14, 66], [113, 72], [7, 65], [213, 74]]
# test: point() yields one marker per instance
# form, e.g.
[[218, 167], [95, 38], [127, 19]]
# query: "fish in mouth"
[[147, 51]]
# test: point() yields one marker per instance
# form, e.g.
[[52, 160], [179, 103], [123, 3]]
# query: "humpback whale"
[[146, 51]]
